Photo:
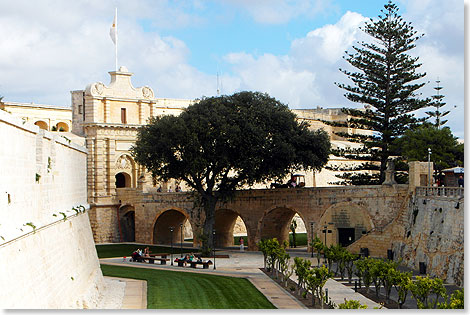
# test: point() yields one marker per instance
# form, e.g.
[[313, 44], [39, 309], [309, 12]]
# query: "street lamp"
[[181, 227], [429, 167], [311, 229], [213, 244], [171, 253]]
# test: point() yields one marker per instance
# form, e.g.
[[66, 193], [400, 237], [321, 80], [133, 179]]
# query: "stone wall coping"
[[18, 123], [10, 237]]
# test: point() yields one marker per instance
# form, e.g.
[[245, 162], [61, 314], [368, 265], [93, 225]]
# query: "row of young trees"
[[370, 271], [276, 260]]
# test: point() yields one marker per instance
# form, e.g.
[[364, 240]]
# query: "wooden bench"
[[193, 264], [162, 255], [151, 259], [205, 264]]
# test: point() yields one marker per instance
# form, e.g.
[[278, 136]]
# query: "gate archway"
[[276, 223], [161, 228], [127, 223], [225, 220]]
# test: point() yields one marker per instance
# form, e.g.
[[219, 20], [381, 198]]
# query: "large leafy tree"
[[446, 151], [222, 143], [386, 82]]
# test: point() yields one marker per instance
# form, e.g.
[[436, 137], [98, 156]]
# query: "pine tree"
[[385, 84], [437, 103]]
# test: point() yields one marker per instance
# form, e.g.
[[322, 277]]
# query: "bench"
[[151, 259], [162, 255], [205, 264]]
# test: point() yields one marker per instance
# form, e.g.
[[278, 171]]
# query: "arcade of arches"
[[348, 213]]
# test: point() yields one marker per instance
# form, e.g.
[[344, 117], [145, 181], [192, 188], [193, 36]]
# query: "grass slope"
[[178, 290]]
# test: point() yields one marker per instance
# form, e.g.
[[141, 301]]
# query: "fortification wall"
[[49, 259], [434, 235]]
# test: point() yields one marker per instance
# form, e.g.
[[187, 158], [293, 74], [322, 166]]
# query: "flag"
[[113, 30]]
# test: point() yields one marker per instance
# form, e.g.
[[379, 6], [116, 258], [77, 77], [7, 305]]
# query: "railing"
[[451, 192]]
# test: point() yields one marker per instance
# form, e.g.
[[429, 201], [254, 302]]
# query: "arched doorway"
[[63, 127], [127, 223], [276, 223], [123, 180], [343, 223], [42, 124], [161, 228], [225, 222]]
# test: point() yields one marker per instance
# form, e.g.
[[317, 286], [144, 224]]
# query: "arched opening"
[[161, 229], [123, 180], [228, 225], [277, 224], [42, 124], [63, 127], [127, 223], [343, 223]]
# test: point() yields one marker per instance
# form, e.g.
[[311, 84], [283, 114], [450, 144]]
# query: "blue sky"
[[291, 49]]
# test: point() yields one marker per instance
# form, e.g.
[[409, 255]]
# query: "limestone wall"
[[434, 234], [48, 255]]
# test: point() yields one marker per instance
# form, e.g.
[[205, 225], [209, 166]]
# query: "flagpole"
[[115, 46]]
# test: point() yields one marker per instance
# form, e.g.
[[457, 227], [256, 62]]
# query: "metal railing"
[[450, 192]]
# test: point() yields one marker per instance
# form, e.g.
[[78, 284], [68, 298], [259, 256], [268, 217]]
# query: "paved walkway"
[[240, 264], [135, 294]]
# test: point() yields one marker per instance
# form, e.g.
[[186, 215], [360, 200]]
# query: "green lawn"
[[173, 289], [121, 250]]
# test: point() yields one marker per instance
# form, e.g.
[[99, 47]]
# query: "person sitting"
[[137, 255], [147, 251], [186, 260]]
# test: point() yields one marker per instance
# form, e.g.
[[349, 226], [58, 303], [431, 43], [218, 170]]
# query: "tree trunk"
[[209, 202]]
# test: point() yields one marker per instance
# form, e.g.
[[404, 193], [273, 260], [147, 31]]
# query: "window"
[[80, 109], [123, 116]]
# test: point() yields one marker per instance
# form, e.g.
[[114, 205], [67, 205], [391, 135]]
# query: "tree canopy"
[[221, 143], [386, 83], [446, 151]]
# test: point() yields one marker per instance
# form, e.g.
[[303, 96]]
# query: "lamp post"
[[171, 253], [429, 167], [181, 227], [311, 229], [213, 244]]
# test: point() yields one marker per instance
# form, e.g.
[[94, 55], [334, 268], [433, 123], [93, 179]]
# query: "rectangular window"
[[123, 116], [80, 109]]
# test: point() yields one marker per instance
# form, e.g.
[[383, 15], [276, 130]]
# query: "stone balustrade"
[[449, 192]]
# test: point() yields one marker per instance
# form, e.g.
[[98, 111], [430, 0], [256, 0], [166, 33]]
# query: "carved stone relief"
[[124, 162]]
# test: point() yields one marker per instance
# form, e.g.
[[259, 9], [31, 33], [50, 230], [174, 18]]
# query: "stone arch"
[[225, 220], [171, 217], [345, 223], [275, 222], [127, 223], [122, 180], [62, 127], [42, 124], [126, 164]]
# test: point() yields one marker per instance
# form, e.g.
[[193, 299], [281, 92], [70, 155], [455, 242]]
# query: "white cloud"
[[48, 48], [304, 78]]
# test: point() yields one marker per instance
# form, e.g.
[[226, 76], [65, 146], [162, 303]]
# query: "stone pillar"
[[141, 112], [418, 174], [152, 109], [90, 145], [107, 111], [110, 157]]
